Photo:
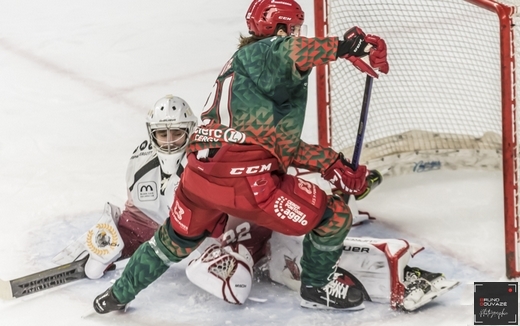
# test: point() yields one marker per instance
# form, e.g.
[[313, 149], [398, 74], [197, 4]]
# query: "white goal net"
[[449, 100]]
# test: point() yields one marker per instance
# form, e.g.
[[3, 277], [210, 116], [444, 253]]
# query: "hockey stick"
[[362, 122], [361, 134], [43, 280]]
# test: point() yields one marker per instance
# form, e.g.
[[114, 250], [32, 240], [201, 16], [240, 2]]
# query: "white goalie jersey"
[[118, 233], [150, 189], [152, 176]]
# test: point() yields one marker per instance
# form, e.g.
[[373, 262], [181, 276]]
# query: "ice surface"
[[76, 81]]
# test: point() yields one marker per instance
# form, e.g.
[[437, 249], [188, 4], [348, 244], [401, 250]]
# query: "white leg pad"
[[377, 263]]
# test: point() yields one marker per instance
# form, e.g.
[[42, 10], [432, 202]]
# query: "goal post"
[[448, 102]]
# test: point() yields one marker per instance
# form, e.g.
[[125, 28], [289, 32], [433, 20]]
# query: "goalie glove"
[[103, 243], [343, 176], [366, 52]]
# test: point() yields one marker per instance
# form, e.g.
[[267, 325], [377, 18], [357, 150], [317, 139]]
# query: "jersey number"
[[242, 230], [220, 103]]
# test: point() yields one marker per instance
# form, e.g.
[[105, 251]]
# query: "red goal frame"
[[510, 154]]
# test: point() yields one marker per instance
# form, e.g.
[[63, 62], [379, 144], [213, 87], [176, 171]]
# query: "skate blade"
[[314, 305], [441, 288]]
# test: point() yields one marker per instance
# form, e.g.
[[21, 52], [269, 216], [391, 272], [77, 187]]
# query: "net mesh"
[[442, 95], [441, 104]]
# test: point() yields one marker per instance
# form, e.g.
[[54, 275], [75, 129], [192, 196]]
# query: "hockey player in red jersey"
[[156, 161], [238, 159]]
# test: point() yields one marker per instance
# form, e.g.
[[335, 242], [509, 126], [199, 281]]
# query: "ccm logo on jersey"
[[251, 169]]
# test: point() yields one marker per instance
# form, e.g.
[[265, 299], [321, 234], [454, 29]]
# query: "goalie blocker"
[[226, 272]]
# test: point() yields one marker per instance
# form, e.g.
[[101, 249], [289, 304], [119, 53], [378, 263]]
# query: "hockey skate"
[[334, 295], [423, 286], [107, 302]]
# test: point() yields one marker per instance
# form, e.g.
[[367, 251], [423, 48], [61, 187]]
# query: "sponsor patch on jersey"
[[209, 135], [307, 191], [180, 217], [147, 191], [285, 208]]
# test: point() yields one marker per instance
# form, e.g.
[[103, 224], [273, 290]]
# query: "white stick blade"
[[6, 292]]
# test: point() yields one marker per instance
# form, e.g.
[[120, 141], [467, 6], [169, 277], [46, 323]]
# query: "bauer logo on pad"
[[495, 303]]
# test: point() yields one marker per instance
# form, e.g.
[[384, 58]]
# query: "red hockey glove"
[[366, 52], [374, 179], [342, 175]]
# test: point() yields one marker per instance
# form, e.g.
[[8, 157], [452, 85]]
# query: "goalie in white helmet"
[[170, 124], [152, 175]]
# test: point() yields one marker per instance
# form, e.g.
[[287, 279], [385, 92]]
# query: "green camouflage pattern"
[[260, 98], [323, 246], [174, 249], [143, 268]]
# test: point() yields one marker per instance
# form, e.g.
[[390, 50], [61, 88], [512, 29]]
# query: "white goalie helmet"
[[170, 124]]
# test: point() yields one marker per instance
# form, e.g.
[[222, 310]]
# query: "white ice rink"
[[76, 81]]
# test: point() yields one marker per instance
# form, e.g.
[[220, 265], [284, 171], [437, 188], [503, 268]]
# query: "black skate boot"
[[422, 286], [107, 302], [334, 295], [414, 273], [419, 279]]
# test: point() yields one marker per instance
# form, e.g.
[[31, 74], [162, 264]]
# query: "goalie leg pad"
[[227, 272], [377, 264]]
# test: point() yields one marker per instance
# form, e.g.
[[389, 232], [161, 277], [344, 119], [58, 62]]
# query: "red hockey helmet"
[[264, 15]]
